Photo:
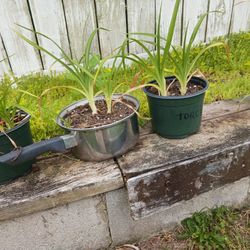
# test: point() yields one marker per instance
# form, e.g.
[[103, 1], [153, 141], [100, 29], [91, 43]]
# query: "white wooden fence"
[[69, 22]]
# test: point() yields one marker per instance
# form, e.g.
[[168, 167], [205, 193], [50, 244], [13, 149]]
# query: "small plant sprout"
[[84, 71], [157, 60], [9, 102], [10, 98], [181, 58], [107, 82]]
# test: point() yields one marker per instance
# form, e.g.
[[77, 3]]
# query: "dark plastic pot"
[[177, 116], [21, 135]]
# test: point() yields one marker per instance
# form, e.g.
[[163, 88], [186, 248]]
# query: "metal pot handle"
[[24, 154]]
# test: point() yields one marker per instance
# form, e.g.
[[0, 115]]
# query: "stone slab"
[[55, 181], [75, 226]]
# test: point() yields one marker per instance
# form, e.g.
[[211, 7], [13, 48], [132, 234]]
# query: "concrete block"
[[124, 229], [78, 225]]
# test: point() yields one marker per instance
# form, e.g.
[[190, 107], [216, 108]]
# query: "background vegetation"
[[228, 78]]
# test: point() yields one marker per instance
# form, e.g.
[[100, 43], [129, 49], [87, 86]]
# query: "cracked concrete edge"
[[103, 209]]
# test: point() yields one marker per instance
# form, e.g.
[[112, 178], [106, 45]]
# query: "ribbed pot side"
[[177, 117]]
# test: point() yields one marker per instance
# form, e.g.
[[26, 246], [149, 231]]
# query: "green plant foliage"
[[227, 81], [44, 113], [9, 103], [208, 230], [84, 71], [230, 88], [215, 60], [183, 65], [107, 83], [155, 66]]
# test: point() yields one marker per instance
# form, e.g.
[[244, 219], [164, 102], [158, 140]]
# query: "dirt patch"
[[161, 241], [82, 117], [174, 89]]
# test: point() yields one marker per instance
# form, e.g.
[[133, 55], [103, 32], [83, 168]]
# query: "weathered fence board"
[[111, 15], [141, 18], [219, 22], [49, 19], [81, 21], [23, 58], [193, 9], [70, 22], [241, 16]]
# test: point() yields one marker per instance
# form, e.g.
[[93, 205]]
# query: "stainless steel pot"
[[91, 144]]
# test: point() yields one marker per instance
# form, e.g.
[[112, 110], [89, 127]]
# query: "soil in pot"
[[174, 89], [82, 117]]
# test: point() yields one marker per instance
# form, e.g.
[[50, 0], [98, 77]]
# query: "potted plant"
[[102, 125], [175, 102], [14, 130]]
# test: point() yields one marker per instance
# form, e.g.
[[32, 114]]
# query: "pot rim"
[[204, 81], [84, 101], [22, 123]]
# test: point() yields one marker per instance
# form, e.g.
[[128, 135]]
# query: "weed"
[[214, 229]]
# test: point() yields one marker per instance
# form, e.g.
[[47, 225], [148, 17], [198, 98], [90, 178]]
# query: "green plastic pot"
[[21, 135], [177, 117]]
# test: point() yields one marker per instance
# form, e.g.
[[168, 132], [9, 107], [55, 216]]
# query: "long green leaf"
[[149, 53], [65, 56], [148, 35], [89, 44], [195, 31], [201, 53], [158, 42], [171, 31]]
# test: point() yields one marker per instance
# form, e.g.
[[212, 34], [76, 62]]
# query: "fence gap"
[[35, 35], [6, 53], [97, 26], [67, 30]]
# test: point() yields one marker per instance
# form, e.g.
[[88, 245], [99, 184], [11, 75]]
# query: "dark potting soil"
[[82, 117], [19, 116], [174, 89]]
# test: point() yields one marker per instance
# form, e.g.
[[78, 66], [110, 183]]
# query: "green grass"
[[219, 228], [228, 79]]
